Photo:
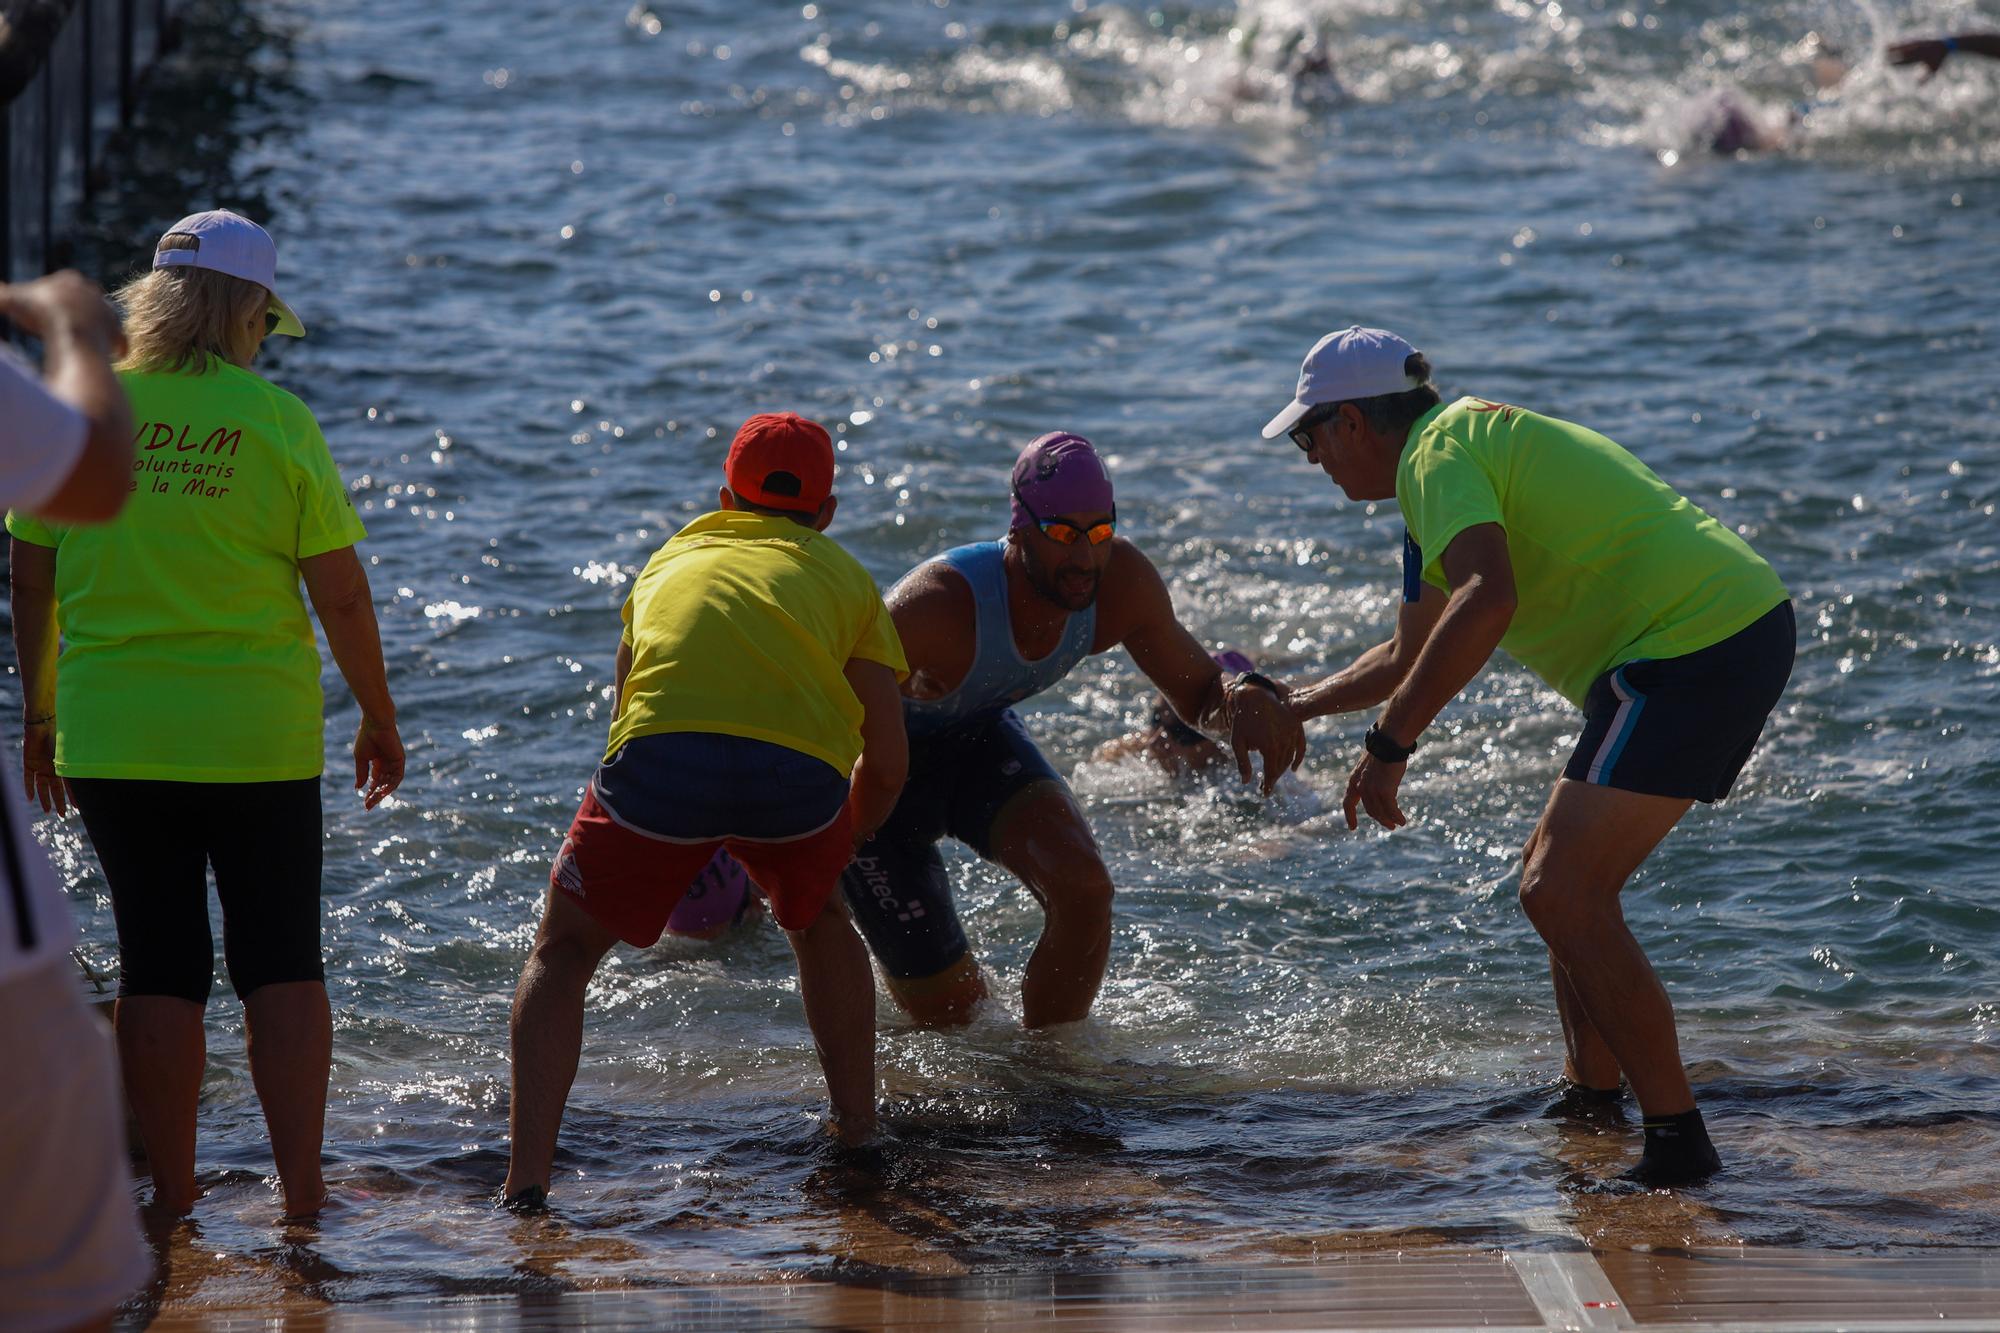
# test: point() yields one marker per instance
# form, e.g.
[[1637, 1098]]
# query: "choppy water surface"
[[551, 254]]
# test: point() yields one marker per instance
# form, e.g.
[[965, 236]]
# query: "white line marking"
[[1570, 1291]]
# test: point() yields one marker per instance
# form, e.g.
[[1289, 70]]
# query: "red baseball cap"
[[782, 461]]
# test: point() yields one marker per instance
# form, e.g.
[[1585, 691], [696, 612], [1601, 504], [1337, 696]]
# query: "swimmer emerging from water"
[[720, 898], [987, 626], [1174, 747]]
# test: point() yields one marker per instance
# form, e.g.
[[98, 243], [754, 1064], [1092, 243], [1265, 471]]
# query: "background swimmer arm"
[[80, 334], [1931, 52], [885, 749], [1255, 720], [338, 587], [32, 573], [1374, 676], [1475, 619]]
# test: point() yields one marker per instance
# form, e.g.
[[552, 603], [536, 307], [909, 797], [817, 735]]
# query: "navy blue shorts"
[[896, 886], [1685, 726]]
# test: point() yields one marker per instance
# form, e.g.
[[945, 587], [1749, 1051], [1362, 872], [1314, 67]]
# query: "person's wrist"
[[1261, 680], [32, 719], [375, 719], [1385, 747]]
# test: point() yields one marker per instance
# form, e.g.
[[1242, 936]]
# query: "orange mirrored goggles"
[[1064, 533]]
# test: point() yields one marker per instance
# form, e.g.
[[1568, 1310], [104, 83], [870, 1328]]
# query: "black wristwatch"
[[1377, 743], [1258, 678]]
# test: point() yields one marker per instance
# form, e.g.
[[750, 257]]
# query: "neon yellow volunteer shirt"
[[187, 652], [1611, 564], [740, 625]]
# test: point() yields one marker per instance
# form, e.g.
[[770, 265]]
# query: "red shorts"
[[630, 881]]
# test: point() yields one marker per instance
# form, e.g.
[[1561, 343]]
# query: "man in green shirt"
[[1549, 541]]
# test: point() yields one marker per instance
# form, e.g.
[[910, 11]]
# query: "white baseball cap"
[[231, 243], [1345, 365]]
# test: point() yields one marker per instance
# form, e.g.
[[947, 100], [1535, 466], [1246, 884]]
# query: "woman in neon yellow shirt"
[[183, 716]]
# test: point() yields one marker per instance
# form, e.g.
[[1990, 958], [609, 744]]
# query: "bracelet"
[[1258, 678], [38, 721], [1379, 744]]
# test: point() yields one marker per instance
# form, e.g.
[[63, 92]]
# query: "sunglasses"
[[271, 321], [1302, 433], [1064, 533]]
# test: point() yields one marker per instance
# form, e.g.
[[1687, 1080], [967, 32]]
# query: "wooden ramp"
[[1715, 1291]]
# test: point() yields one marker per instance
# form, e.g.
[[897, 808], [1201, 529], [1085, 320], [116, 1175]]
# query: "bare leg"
[[1041, 836], [1588, 1062], [1587, 845], [547, 1032], [164, 1050], [839, 992], [291, 1050], [944, 999]]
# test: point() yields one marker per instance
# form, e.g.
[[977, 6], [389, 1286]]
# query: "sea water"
[[552, 254]]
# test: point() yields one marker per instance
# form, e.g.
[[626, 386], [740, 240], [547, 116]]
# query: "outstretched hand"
[[1930, 52], [1373, 786], [1261, 724], [378, 761]]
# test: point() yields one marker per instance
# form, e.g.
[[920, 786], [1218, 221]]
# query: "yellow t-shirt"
[[740, 625]]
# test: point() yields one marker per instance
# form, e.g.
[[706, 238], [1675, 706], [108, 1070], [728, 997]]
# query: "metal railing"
[[70, 72]]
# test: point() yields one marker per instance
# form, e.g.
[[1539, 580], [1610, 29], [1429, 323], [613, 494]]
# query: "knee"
[[1560, 910], [1083, 900]]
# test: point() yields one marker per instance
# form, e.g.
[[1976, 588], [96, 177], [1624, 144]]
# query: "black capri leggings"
[[156, 841]]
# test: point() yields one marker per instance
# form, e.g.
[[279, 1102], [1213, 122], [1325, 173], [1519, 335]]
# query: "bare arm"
[[1482, 603], [1375, 674], [80, 335], [1254, 718], [33, 578], [932, 610], [1931, 52], [338, 587], [885, 749], [621, 668]]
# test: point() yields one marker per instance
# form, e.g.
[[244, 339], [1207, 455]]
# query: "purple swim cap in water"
[[1059, 474], [714, 900], [1231, 660]]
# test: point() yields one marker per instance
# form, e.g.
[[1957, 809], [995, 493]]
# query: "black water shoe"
[[1677, 1152], [533, 1199]]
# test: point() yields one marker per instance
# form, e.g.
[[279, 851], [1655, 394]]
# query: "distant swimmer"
[[987, 626], [1545, 539], [1730, 123], [757, 713]]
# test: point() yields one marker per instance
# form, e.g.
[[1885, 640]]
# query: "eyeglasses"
[[271, 321], [1064, 533], [1302, 433]]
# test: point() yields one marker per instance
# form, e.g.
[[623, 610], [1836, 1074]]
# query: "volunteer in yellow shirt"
[[758, 713], [1548, 540], [183, 715]]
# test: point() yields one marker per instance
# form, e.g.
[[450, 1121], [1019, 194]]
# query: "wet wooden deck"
[[1714, 1291]]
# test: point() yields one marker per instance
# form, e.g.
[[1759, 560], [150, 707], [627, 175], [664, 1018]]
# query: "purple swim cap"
[[714, 900], [1059, 474], [1231, 660]]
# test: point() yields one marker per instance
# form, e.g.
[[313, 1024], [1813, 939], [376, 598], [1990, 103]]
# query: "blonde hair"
[[176, 318]]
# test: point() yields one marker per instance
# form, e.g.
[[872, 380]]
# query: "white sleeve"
[[41, 436]]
